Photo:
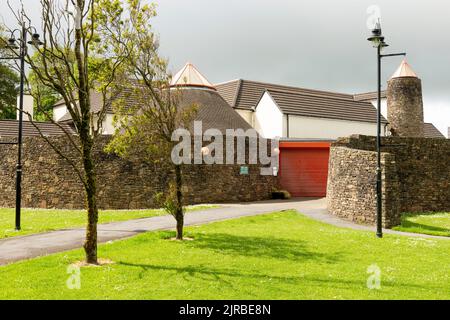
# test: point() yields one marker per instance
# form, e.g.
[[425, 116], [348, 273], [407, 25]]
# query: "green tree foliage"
[[44, 98], [145, 129], [9, 81], [71, 64]]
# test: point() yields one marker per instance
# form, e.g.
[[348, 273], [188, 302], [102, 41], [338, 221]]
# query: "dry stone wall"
[[50, 182], [416, 178]]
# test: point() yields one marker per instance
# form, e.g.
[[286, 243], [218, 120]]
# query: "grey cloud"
[[317, 44]]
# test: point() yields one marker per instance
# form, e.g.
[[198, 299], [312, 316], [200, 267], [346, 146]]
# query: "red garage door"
[[304, 168]]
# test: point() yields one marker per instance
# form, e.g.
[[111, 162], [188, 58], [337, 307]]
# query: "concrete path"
[[26, 247]]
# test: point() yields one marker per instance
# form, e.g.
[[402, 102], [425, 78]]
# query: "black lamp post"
[[377, 39], [22, 47]]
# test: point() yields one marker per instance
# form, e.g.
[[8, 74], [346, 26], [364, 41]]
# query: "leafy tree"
[[145, 130], [9, 81], [72, 38], [44, 98]]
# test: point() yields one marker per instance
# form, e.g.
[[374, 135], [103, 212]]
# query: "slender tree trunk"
[[87, 142], [179, 215], [90, 244]]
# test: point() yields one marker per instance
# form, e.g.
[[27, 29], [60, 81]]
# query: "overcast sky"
[[317, 44]]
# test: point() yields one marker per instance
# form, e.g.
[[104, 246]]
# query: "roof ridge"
[[24, 121], [314, 95], [238, 92], [300, 88], [227, 82]]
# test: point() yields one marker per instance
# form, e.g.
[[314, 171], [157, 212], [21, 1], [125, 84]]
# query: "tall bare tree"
[[74, 62], [145, 130]]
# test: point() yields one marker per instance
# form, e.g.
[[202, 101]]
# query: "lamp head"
[[377, 38], [12, 44], [35, 41]]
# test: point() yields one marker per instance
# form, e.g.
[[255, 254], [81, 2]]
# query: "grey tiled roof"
[[320, 106], [125, 93], [10, 128], [431, 131], [367, 96], [245, 94], [213, 110]]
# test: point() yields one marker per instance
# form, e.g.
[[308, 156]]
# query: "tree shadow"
[[425, 227], [266, 247], [201, 272]]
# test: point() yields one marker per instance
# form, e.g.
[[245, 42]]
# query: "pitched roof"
[[125, 93], [369, 96], [245, 94], [190, 76], [10, 128], [313, 105], [404, 70], [430, 131], [213, 110]]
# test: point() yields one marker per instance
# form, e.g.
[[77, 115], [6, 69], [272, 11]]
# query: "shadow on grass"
[[265, 247], [424, 228], [200, 272]]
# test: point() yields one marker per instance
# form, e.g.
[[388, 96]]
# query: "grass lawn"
[[282, 255], [437, 224], [41, 220]]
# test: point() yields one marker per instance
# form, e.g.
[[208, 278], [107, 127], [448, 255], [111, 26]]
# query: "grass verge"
[[283, 255], [436, 224], [42, 220]]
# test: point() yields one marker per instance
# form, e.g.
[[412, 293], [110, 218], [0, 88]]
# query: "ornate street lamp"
[[378, 42], [11, 47]]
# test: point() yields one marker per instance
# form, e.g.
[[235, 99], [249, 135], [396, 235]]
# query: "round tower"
[[404, 103]]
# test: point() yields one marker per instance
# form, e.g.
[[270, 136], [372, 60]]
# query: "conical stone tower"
[[404, 103]]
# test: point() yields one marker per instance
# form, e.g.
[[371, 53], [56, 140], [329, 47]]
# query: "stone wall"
[[50, 182], [416, 178], [405, 107]]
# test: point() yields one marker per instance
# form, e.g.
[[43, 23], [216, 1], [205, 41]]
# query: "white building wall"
[[108, 124], [28, 107], [59, 112], [383, 106], [321, 128], [247, 115], [268, 118]]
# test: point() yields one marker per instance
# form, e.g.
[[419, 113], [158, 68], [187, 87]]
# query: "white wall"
[[383, 106], [59, 112], [108, 125], [268, 118], [247, 115], [321, 128], [28, 107]]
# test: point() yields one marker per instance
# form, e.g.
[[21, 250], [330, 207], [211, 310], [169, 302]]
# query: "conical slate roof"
[[190, 76], [213, 110], [404, 70]]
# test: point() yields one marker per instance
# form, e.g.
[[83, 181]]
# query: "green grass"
[[282, 255], [437, 224], [41, 220]]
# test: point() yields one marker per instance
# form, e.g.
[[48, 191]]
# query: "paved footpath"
[[26, 247]]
